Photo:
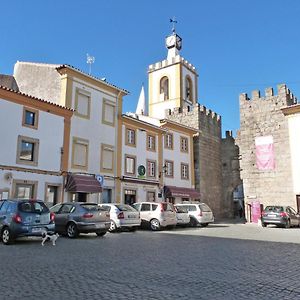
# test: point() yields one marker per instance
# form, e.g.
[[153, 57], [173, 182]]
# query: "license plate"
[[99, 225], [131, 216], [34, 230]]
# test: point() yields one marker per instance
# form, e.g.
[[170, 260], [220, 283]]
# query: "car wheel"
[[101, 233], [112, 227], [263, 224], [288, 224], [204, 224], [154, 224], [193, 222], [6, 236], [72, 231]]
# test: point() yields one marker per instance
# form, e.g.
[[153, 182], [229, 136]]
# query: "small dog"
[[49, 236]]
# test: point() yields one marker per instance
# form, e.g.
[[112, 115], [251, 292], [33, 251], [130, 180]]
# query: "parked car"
[[284, 216], [20, 218], [122, 216], [156, 215], [200, 213], [73, 218], [182, 215]]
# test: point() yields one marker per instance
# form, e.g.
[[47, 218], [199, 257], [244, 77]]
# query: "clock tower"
[[172, 83]]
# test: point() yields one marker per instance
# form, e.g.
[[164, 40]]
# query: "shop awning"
[[82, 184], [174, 191]]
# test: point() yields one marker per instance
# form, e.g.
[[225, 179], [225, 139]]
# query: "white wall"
[[294, 131]]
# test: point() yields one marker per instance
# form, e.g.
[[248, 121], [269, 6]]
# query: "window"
[[82, 103], [107, 158], [130, 165], [27, 150], [130, 137], [108, 113], [4, 194], [145, 207], [184, 142], [169, 168], [188, 89], [151, 196], [151, 142], [164, 88], [24, 189], [30, 118], [151, 168], [80, 149], [184, 171], [169, 141]]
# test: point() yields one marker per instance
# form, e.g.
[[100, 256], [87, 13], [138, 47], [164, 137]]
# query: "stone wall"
[[207, 152], [262, 116]]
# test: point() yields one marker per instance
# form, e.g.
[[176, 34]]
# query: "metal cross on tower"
[[173, 20]]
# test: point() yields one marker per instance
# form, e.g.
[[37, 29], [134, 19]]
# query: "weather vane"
[[173, 20], [90, 60]]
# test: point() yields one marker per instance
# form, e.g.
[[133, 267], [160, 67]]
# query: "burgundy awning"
[[82, 184], [174, 191]]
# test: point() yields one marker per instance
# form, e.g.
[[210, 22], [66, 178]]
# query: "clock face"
[[170, 42]]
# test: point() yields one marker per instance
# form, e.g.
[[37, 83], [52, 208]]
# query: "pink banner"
[[255, 211], [265, 159]]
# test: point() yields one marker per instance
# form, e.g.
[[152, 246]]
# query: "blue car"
[[20, 218]]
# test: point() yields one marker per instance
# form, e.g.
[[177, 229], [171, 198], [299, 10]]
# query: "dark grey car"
[[24, 218], [278, 215], [73, 218]]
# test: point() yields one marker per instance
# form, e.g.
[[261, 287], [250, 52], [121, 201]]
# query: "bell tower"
[[172, 83]]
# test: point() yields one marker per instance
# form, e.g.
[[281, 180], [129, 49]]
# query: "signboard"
[[141, 171], [100, 179], [255, 211], [265, 159]]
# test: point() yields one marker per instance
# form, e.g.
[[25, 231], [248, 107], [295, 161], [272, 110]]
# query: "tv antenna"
[[173, 21], [90, 60]]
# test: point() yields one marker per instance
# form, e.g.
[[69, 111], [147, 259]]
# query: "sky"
[[236, 45]]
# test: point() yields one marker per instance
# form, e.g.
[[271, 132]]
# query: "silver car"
[[122, 216], [157, 215], [200, 213], [73, 218]]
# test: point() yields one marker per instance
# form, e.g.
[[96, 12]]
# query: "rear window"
[[33, 207], [204, 207], [274, 208], [92, 207], [125, 207]]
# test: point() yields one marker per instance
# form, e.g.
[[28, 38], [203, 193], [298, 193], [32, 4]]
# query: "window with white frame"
[[130, 137], [80, 151], [169, 172], [151, 142], [184, 144], [151, 168], [184, 171], [130, 165], [168, 140]]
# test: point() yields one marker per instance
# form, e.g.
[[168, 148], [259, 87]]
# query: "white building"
[[33, 135], [94, 127]]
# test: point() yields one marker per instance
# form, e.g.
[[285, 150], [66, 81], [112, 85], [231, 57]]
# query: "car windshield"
[[125, 207], [33, 207], [204, 207], [274, 209]]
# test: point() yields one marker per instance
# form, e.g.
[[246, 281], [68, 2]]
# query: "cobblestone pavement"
[[151, 265]]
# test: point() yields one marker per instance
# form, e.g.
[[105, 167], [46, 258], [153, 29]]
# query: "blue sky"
[[236, 45]]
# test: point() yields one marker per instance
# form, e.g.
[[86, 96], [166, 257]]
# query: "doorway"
[[298, 203]]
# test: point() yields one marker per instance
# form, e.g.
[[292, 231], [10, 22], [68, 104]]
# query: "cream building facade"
[[92, 172], [33, 134]]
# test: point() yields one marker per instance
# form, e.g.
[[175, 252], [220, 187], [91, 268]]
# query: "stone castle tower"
[[173, 94], [263, 117]]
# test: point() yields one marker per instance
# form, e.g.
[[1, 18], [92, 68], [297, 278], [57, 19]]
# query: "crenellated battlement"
[[192, 110], [282, 90], [165, 63]]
